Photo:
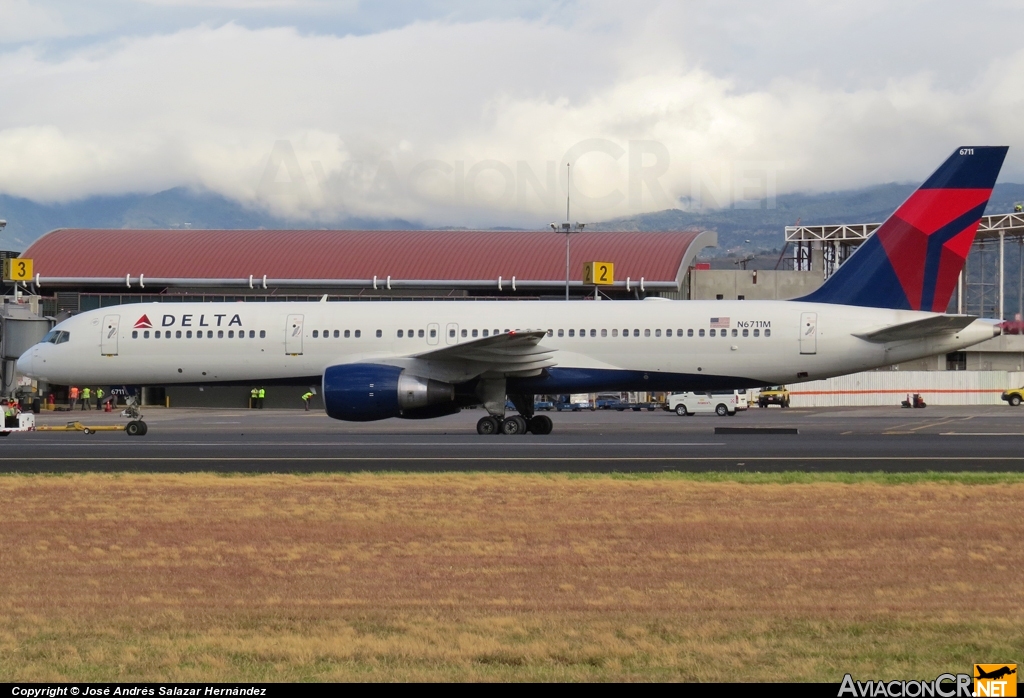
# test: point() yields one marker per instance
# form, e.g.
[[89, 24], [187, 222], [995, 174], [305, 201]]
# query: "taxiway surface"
[[988, 438]]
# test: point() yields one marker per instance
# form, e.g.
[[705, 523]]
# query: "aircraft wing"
[[511, 353], [919, 329]]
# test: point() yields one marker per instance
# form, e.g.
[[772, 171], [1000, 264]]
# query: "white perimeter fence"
[[892, 387]]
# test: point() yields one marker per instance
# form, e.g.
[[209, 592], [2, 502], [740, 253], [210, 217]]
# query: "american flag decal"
[[720, 322]]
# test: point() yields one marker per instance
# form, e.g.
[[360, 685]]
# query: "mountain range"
[[749, 230]]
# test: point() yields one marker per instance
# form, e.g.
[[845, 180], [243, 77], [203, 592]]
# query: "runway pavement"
[[989, 438]]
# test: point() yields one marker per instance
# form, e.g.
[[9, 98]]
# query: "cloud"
[[472, 122]]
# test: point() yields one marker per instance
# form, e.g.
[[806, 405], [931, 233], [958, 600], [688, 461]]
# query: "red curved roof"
[[354, 254]]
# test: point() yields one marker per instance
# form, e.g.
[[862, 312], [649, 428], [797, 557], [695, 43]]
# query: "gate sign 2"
[[598, 273], [16, 269]]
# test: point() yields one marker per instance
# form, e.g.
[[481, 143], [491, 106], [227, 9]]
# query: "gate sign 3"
[[16, 269], [598, 273]]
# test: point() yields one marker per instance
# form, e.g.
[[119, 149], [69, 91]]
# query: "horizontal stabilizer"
[[919, 329]]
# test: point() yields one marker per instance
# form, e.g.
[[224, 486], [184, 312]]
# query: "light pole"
[[568, 230]]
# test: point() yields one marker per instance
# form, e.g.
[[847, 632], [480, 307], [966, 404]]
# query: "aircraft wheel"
[[145, 428], [487, 425], [681, 410], [541, 424], [1015, 400], [132, 428], [87, 430], [722, 411], [513, 425]]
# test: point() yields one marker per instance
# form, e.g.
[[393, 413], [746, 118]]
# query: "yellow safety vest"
[[263, 393], [255, 392]]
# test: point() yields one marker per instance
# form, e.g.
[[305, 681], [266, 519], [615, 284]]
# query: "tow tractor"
[[26, 421]]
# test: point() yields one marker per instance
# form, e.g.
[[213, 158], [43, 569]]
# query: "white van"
[[742, 402], [698, 403]]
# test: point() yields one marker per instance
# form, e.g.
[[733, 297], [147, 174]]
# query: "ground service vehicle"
[[774, 395], [741, 397], [703, 403], [413, 360], [1013, 396]]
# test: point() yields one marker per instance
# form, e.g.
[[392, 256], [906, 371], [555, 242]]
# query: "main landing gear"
[[538, 424]]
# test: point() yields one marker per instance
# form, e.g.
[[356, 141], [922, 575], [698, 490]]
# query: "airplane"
[[416, 360]]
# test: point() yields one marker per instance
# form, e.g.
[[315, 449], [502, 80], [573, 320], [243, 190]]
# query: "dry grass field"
[[498, 577]]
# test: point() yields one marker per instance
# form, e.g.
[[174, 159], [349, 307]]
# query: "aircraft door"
[[293, 335], [432, 333], [108, 340], [451, 333], [808, 333]]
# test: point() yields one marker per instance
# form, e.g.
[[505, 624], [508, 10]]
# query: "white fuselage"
[[763, 342]]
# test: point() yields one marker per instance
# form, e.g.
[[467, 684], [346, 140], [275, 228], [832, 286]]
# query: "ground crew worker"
[[254, 396], [262, 394], [305, 399], [73, 397], [99, 397], [9, 415], [86, 397], [1018, 208]]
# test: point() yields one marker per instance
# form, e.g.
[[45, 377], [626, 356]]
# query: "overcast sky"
[[466, 113]]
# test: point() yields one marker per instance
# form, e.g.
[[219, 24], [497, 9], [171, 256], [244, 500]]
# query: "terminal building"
[[75, 270]]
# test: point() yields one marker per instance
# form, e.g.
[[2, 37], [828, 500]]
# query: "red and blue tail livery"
[[913, 260]]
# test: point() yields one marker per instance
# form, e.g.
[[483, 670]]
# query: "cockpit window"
[[56, 337]]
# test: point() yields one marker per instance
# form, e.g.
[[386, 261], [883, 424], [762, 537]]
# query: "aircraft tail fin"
[[913, 260]]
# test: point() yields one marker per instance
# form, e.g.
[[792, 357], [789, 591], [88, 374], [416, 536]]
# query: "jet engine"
[[368, 392]]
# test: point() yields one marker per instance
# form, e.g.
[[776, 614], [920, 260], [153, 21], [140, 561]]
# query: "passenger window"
[[433, 333], [689, 333], [657, 333], [156, 334], [485, 333], [604, 333], [315, 334], [757, 333], [647, 333], [734, 333], [495, 333], [420, 334], [399, 334], [712, 333], [561, 333], [231, 334], [476, 332], [380, 333], [338, 334], [177, 335], [263, 334], [700, 333], [572, 333], [252, 334], [451, 333], [746, 333], [767, 333], [593, 333], [358, 333], [348, 333], [188, 335], [465, 333], [199, 334], [145, 335], [615, 333], [583, 333], [636, 333], [135, 335], [209, 334], [668, 333], [220, 334]]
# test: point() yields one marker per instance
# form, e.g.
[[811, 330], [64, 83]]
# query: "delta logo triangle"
[[143, 323]]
